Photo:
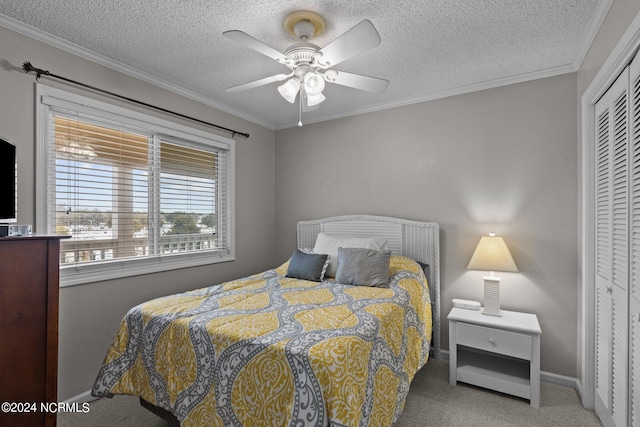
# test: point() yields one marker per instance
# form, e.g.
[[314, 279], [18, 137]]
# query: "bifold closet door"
[[634, 246], [612, 252]]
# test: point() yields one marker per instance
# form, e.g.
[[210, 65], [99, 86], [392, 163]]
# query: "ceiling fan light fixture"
[[315, 99], [289, 90], [313, 83]]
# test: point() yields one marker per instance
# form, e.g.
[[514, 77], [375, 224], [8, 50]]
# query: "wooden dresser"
[[29, 288]]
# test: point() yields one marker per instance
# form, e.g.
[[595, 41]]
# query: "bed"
[[274, 350]]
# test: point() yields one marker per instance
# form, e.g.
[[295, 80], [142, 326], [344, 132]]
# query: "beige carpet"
[[431, 402]]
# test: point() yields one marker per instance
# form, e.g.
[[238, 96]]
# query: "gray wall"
[[90, 314], [502, 160]]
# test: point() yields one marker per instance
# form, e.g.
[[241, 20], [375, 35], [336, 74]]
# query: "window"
[[136, 194]]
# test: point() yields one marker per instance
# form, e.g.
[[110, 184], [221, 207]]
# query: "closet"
[[617, 251]]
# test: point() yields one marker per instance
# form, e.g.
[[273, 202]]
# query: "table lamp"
[[492, 255]]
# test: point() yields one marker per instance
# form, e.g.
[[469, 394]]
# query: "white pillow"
[[328, 244]]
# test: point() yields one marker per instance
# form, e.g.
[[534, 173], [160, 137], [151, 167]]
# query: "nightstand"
[[498, 353]]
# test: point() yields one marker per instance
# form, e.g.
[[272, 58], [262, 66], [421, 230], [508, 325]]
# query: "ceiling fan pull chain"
[[300, 109]]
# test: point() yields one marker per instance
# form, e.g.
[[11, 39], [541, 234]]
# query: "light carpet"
[[431, 402]]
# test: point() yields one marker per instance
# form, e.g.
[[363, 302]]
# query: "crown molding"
[[592, 31], [87, 54]]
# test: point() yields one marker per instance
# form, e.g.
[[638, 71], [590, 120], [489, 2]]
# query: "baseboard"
[[547, 377], [82, 398]]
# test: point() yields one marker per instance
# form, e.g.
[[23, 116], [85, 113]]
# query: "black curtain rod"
[[28, 68]]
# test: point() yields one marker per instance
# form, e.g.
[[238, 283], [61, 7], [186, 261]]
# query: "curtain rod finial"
[[27, 67]]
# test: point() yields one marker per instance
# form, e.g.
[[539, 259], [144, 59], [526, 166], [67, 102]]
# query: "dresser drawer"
[[495, 340]]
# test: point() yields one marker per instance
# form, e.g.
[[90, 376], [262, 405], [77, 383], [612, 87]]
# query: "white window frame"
[[80, 274]]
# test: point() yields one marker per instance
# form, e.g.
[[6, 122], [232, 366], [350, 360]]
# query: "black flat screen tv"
[[8, 182]]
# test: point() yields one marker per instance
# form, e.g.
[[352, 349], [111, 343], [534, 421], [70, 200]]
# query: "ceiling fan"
[[310, 65]]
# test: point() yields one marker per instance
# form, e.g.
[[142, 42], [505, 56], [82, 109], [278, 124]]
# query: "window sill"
[[110, 270]]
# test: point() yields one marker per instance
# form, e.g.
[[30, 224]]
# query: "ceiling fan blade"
[[255, 44], [357, 81], [358, 39], [256, 83]]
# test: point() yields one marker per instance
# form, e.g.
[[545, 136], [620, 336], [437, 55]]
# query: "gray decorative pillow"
[[329, 244], [363, 267], [307, 266]]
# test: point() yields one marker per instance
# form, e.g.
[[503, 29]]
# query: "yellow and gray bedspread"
[[268, 350]]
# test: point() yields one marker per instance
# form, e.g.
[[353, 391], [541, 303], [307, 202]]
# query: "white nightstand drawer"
[[494, 340]]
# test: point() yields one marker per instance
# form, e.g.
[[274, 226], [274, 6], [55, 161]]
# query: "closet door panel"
[[603, 254], [634, 246], [611, 250], [620, 255]]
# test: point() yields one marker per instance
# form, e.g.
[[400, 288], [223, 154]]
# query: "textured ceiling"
[[429, 48]]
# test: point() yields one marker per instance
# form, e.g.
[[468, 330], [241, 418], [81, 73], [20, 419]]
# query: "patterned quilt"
[[268, 350]]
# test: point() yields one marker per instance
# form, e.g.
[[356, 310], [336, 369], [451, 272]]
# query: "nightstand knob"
[[492, 341], [609, 289]]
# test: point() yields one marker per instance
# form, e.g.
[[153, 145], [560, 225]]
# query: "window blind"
[[124, 192]]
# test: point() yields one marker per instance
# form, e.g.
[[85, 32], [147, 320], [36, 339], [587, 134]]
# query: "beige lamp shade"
[[492, 254]]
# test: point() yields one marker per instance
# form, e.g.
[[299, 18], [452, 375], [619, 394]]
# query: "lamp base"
[[492, 296], [492, 313]]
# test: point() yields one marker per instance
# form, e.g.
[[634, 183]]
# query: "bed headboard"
[[414, 239]]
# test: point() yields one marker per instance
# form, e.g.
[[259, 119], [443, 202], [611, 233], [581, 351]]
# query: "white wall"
[[90, 314], [502, 160]]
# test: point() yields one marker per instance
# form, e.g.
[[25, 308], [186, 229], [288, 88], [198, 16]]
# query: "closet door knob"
[[609, 290]]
